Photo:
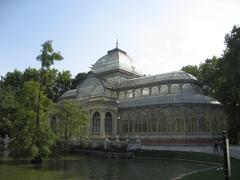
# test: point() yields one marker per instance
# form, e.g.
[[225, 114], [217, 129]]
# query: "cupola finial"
[[117, 43]]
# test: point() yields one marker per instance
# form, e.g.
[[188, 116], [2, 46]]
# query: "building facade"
[[168, 108]]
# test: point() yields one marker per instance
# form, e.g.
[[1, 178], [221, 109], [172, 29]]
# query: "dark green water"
[[90, 168]]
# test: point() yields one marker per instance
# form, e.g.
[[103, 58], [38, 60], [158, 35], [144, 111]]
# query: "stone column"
[[114, 120], [102, 124], [89, 128]]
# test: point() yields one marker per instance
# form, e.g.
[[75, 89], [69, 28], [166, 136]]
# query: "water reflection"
[[89, 168]]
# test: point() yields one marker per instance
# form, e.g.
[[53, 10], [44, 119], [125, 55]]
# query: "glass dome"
[[91, 87], [115, 59]]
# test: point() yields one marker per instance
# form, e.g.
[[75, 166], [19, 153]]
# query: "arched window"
[[155, 91], [122, 95], [175, 88], [96, 122], [129, 94], [164, 89], [108, 122], [137, 93], [145, 91]]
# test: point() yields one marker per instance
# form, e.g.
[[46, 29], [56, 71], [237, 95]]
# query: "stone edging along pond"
[[184, 160], [136, 155]]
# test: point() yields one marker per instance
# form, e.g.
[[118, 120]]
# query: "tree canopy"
[[25, 131], [221, 76], [72, 121], [27, 104]]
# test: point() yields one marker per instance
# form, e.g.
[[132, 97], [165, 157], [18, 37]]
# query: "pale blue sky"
[[159, 35]]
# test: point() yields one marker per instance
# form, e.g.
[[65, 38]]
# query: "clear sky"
[[160, 35]]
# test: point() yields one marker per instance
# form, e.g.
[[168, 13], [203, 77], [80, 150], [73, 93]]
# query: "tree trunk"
[[38, 158], [66, 135]]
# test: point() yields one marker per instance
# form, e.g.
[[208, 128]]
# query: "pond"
[[92, 168]]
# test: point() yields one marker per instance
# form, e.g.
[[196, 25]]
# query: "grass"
[[212, 174]]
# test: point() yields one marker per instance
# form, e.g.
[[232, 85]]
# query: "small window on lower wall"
[[145, 91]]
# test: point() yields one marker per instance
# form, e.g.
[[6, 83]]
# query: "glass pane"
[[137, 93], [91, 87], [175, 88], [197, 89], [155, 91], [145, 92], [187, 88], [129, 94], [108, 93], [164, 89], [122, 95], [108, 122], [96, 122], [114, 94]]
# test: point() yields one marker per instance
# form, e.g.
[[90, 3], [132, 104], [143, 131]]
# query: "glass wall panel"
[[108, 93], [114, 94], [91, 87], [187, 88], [129, 94], [164, 89], [122, 95], [153, 123], [146, 91], [197, 89], [175, 89], [137, 93], [155, 91]]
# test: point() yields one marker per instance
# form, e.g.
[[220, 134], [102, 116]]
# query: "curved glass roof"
[[175, 75], [168, 99], [92, 86], [69, 94], [115, 59]]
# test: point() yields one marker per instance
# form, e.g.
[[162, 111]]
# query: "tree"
[[29, 139], [7, 109], [31, 74], [47, 58], [77, 79], [221, 75], [14, 79], [72, 121], [209, 74], [49, 82], [193, 70], [230, 69], [62, 83]]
